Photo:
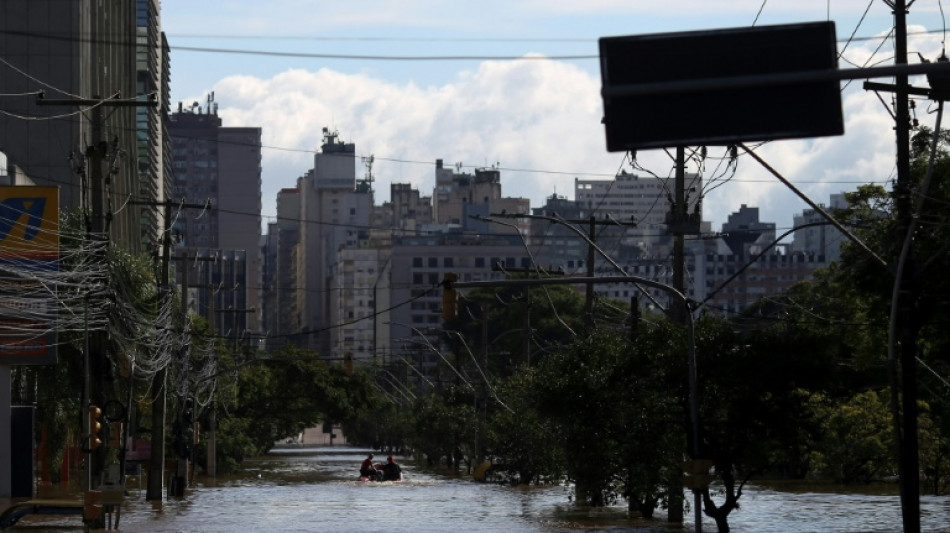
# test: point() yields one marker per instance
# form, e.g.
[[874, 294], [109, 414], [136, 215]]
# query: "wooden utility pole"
[[159, 390], [95, 357], [909, 324]]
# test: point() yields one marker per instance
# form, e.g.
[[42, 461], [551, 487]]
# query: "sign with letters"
[[29, 246]]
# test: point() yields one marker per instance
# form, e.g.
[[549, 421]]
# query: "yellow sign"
[[29, 222]]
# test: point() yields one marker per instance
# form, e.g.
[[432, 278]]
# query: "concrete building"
[[743, 268], [822, 239], [221, 166], [359, 313], [459, 196], [335, 213], [154, 153], [644, 200], [75, 53], [744, 234], [418, 265], [282, 321]]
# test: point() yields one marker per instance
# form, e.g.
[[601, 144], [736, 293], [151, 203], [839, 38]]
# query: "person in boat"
[[391, 470], [367, 469]]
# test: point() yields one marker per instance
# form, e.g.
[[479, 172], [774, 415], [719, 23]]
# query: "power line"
[[528, 56]]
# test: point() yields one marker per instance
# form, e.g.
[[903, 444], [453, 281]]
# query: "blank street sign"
[[720, 87]]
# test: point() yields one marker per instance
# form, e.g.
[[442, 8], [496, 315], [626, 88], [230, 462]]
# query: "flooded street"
[[315, 489]]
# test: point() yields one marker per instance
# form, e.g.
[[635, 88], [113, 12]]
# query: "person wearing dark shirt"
[[391, 470]]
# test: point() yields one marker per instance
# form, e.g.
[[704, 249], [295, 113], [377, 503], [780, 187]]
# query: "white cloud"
[[534, 114], [529, 114]]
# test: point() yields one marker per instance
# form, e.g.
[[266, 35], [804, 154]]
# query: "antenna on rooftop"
[[368, 163]]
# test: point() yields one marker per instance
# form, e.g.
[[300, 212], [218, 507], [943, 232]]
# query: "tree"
[[856, 437], [520, 439], [266, 400]]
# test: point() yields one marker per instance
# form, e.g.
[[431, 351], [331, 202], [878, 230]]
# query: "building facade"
[[219, 167], [77, 54]]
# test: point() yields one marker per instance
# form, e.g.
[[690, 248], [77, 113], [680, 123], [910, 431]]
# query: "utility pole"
[[905, 319], [592, 224], [95, 389], [678, 315], [159, 391], [907, 294]]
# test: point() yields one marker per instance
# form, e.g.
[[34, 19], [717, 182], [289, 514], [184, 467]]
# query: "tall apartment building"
[[74, 53], [361, 278], [152, 81], [335, 213], [407, 211], [221, 166], [418, 265]]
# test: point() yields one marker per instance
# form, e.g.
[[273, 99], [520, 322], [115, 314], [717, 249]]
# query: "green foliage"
[[856, 437], [268, 400], [521, 440], [442, 425], [614, 417]]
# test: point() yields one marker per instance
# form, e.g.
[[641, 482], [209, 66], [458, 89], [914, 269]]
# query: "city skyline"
[[382, 77]]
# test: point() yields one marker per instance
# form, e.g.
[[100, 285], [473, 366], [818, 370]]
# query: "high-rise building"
[[152, 84], [335, 212], [220, 167], [282, 321], [59, 59]]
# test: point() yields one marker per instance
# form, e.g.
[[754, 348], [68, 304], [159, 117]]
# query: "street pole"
[[589, 300], [905, 288]]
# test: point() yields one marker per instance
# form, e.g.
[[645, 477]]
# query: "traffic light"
[[188, 411], [450, 297], [115, 435], [95, 426]]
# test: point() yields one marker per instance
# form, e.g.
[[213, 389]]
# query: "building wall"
[[90, 56], [362, 278], [418, 265], [239, 205]]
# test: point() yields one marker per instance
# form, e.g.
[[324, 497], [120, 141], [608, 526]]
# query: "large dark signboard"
[[762, 99]]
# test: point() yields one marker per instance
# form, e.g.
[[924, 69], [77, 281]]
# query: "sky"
[[512, 84]]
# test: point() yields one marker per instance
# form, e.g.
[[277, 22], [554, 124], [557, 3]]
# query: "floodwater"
[[315, 489]]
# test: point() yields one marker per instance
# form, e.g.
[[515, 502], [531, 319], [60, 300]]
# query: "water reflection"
[[317, 490]]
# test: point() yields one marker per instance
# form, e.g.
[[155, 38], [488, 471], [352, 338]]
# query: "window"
[[433, 262], [417, 262], [449, 262]]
